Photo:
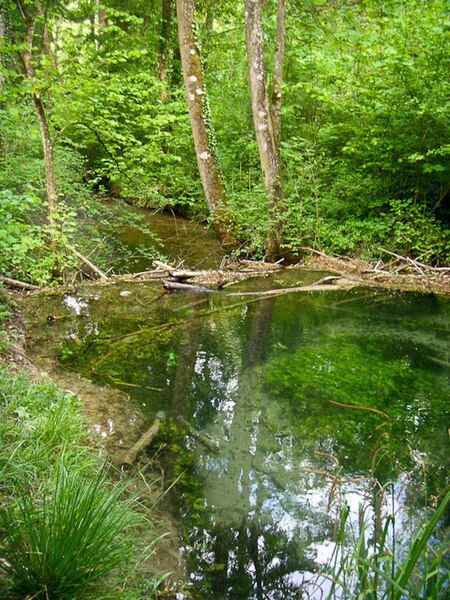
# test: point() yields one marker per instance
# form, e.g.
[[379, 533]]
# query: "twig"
[[374, 410]]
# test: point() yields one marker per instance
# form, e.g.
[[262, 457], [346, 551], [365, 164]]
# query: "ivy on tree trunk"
[[202, 130], [263, 124]]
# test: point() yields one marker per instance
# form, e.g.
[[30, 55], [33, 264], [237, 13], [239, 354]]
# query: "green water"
[[312, 397]]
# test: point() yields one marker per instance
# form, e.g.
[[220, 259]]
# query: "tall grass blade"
[[419, 546]]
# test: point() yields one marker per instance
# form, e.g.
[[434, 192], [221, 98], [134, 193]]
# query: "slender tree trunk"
[[51, 189], [2, 40], [101, 17], [164, 47], [265, 135], [203, 135], [47, 38], [278, 73]]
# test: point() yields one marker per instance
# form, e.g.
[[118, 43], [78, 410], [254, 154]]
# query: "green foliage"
[[63, 522], [38, 423], [136, 145], [365, 148], [60, 543], [5, 305], [369, 118]]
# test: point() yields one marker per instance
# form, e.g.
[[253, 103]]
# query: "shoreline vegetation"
[[63, 500]]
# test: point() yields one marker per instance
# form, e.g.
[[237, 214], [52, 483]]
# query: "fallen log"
[[182, 275], [87, 262], [15, 283], [198, 435], [129, 457], [184, 287], [162, 265]]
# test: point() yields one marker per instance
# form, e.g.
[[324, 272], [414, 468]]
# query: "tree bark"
[[50, 180], [2, 40], [164, 47], [265, 135], [278, 73], [199, 114]]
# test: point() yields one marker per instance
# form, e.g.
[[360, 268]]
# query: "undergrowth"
[[68, 528]]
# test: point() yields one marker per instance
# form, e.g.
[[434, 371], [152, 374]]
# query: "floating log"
[[144, 441], [15, 283], [184, 287], [199, 436]]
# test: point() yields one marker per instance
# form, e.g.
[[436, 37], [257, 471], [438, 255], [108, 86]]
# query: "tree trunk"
[[2, 41], [164, 47], [27, 58], [265, 136], [278, 73], [203, 135]]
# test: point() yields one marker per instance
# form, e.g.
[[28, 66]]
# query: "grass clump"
[[64, 524], [60, 542]]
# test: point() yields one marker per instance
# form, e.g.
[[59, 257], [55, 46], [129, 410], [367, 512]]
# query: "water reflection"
[[313, 399]]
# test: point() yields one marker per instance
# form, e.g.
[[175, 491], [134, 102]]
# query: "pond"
[[313, 398]]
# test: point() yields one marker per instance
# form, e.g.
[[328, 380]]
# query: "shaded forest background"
[[364, 149]]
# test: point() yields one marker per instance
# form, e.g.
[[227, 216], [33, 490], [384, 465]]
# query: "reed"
[[379, 568]]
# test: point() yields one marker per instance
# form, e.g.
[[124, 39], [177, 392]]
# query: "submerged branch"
[[373, 410], [199, 436], [129, 457]]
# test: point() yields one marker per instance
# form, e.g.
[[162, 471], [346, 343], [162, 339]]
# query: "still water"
[[314, 399]]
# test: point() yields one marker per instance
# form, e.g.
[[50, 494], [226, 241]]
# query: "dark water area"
[[179, 240], [314, 399]]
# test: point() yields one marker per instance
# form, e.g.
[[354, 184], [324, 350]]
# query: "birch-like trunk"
[[278, 73], [265, 134], [202, 132]]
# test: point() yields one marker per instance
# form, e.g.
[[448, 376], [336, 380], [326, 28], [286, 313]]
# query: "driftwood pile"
[[397, 271], [401, 263]]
